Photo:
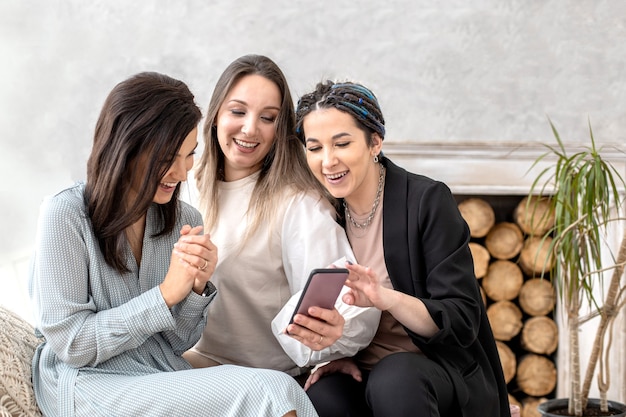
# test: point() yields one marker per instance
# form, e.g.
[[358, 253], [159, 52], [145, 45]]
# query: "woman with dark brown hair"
[[433, 353], [121, 277]]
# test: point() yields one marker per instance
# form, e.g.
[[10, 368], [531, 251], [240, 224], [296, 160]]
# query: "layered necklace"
[[370, 217]]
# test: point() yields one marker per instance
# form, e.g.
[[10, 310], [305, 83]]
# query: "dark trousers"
[[402, 384]]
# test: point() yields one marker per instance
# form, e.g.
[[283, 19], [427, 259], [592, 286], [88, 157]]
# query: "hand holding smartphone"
[[321, 289]]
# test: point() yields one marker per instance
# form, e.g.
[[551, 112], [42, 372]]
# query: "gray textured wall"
[[453, 71]]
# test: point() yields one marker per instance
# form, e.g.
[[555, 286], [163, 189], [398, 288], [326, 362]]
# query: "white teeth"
[[169, 184], [335, 176], [243, 144]]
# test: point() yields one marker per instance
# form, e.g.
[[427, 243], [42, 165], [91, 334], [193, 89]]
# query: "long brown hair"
[[285, 164], [150, 115]]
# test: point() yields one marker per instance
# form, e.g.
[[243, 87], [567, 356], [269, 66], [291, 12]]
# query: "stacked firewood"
[[510, 255]]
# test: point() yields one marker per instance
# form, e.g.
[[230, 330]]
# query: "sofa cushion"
[[17, 345]]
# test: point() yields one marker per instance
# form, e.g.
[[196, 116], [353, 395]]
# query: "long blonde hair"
[[285, 166]]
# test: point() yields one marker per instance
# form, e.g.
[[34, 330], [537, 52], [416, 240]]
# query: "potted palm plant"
[[586, 196]]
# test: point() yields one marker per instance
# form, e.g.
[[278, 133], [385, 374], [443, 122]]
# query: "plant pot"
[[558, 408]]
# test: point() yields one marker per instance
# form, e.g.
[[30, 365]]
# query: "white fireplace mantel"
[[485, 168]]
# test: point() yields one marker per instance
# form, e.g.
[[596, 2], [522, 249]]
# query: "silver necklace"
[[370, 217]]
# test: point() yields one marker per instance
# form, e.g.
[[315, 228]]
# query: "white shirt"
[[256, 279]]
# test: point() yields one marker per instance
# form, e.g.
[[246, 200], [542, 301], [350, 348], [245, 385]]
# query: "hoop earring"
[[375, 159]]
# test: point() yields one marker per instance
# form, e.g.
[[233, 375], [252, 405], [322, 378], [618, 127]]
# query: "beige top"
[[367, 246], [256, 278]]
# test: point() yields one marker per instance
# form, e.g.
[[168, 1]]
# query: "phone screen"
[[321, 289]]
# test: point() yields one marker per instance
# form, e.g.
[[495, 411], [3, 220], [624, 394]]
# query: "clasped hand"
[[193, 261]]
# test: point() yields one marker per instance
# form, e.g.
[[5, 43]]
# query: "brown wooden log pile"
[[511, 263]]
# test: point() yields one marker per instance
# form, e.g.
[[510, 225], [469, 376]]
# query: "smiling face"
[[340, 158], [246, 125], [176, 173]]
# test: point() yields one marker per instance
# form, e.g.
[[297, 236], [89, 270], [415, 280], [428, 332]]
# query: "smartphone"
[[321, 289]]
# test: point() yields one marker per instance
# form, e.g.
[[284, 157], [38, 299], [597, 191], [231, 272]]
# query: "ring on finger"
[[206, 263]]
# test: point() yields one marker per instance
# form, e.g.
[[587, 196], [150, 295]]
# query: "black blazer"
[[426, 250]]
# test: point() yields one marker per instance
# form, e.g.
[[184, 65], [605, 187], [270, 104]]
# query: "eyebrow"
[[194, 148], [246, 104], [334, 137]]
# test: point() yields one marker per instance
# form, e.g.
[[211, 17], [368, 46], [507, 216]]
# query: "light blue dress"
[[112, 345]]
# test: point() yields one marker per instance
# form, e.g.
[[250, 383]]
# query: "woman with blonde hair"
[[272, 224]]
